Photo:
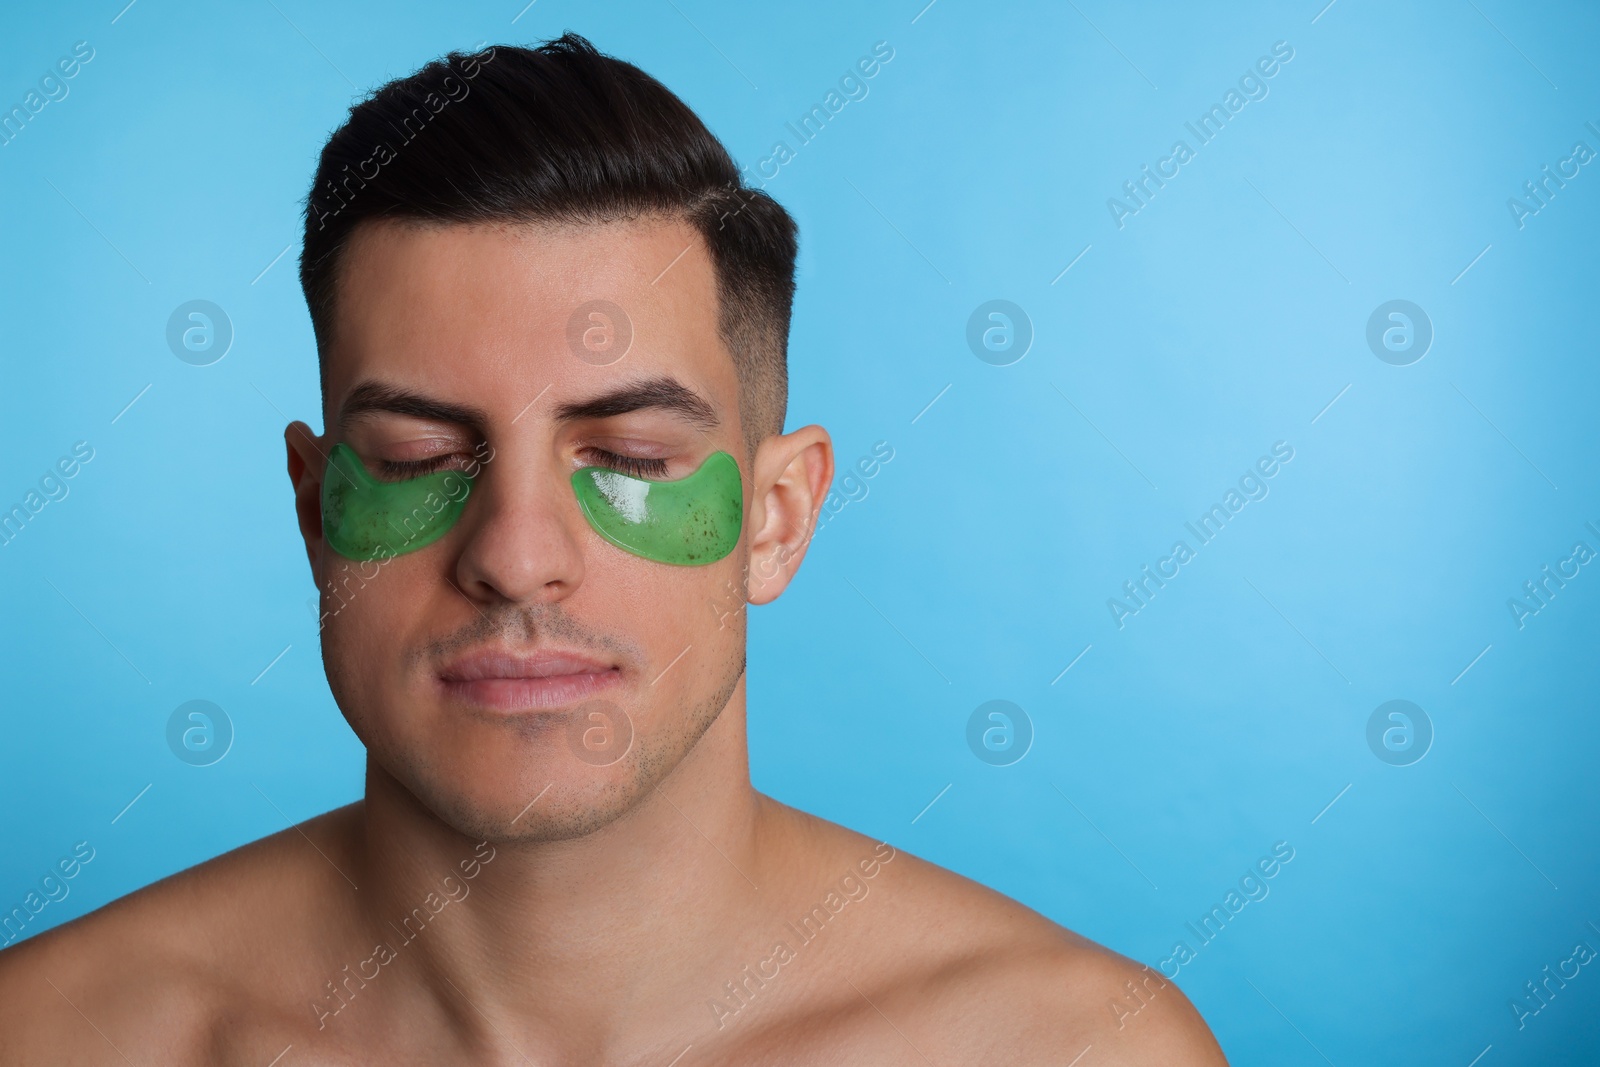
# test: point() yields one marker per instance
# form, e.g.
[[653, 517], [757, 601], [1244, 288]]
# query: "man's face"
[[453, 345]]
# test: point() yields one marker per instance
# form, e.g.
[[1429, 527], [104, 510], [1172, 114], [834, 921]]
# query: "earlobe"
[[792, 475]]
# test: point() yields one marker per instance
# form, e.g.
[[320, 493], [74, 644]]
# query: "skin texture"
[[539, 908]]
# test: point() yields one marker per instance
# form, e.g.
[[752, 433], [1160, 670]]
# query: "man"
[[552, 326]]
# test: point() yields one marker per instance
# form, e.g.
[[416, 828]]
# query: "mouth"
[[546, 680]]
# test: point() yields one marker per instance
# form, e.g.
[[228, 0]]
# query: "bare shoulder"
[[161, 970], [1032, 992], [956, 967]]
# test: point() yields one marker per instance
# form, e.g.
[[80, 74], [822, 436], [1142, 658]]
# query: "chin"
[[511, 795]]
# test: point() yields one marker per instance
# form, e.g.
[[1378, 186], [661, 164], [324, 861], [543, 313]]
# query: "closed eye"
[[637, 466], [393, 470]]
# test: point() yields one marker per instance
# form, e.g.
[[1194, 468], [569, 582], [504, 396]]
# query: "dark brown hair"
[[558, 133]]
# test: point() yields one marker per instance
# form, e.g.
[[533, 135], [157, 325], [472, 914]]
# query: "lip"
[[544, 680]]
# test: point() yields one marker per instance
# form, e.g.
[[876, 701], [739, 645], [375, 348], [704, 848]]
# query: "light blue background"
[[1223, 317]]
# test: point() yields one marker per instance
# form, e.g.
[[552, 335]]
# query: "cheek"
[[667, 609], [377, 617], [688, 625]]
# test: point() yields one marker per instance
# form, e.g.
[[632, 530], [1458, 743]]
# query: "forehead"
[[492, 315]]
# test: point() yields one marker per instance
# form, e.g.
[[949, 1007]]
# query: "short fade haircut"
[[559, 133]]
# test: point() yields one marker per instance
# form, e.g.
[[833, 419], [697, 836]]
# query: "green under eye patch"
[[692, 521], [365, 519]]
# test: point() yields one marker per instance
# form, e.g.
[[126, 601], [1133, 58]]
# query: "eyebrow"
[[370, 398], [661, 392]]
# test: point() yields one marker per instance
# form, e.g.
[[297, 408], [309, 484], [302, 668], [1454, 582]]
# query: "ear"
[[792, 475], [307, 460]]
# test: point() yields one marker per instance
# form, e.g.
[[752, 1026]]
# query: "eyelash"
[[635, 465], [399, 470]]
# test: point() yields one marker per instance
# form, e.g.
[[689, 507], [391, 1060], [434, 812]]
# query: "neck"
[[568, 948]]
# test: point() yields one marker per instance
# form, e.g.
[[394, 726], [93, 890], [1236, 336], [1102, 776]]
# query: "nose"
[[523, 533]]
